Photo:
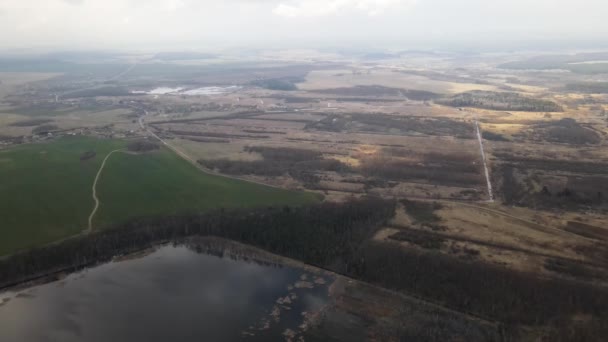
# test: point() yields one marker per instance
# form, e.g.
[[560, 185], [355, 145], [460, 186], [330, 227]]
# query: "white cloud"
[[317, 8], [202, 23]]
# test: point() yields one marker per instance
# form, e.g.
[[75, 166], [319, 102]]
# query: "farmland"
[[402, 130], [49, 198]]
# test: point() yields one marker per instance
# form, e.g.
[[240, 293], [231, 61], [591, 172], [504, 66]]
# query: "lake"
[[193, 292]]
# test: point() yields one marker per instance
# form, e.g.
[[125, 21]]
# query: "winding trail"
[[103, 164]]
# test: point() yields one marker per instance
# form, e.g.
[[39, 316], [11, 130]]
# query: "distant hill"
[[573, 63], [182, 56]]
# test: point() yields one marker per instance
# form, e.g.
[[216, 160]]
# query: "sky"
[[211, 24]]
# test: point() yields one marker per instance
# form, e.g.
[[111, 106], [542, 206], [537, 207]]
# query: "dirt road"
[[485, 163]]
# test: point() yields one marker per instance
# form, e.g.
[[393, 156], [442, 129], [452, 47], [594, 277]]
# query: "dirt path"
[[485, 163], [103, 164]]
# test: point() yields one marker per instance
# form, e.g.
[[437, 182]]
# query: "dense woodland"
[[383, 123], [434, 168], [527, 181], [501, 101], [317, 234], [565, 131], [283, 83], [495, 293], [519, 186], [337, 237], [493, 136]]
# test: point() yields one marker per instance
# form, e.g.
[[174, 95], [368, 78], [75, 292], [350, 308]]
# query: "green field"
[[45, 189]]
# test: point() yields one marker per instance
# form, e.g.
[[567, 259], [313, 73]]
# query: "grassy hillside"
[[45, 192]]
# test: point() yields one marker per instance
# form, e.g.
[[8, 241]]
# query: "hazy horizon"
[[209, 25]]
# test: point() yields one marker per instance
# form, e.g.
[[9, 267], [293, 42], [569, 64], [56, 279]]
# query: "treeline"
[[30, 123], [283, 83], [142, 146], [300, 164], [384, 123], [566, 131], [446, 173], [570, 197], [422, 212], [493, 136], [489, 291], [216, 135], [262, 131], [552, 164], [577, 194], [88, 155], [500, 101], [317, 234], [337, 237], [284, 153]]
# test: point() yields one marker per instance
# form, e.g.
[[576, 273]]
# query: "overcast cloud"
[[201, 24]]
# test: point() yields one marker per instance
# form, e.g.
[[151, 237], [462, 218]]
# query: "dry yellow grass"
[[231, 151], [348, 160], [518, 238], [514, 226]]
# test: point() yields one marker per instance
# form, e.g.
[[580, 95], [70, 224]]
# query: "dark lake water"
[[172, 294]]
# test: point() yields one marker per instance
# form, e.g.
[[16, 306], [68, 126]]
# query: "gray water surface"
[[171, 294]]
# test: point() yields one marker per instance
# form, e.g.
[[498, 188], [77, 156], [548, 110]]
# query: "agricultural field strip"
[[94, 188]]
